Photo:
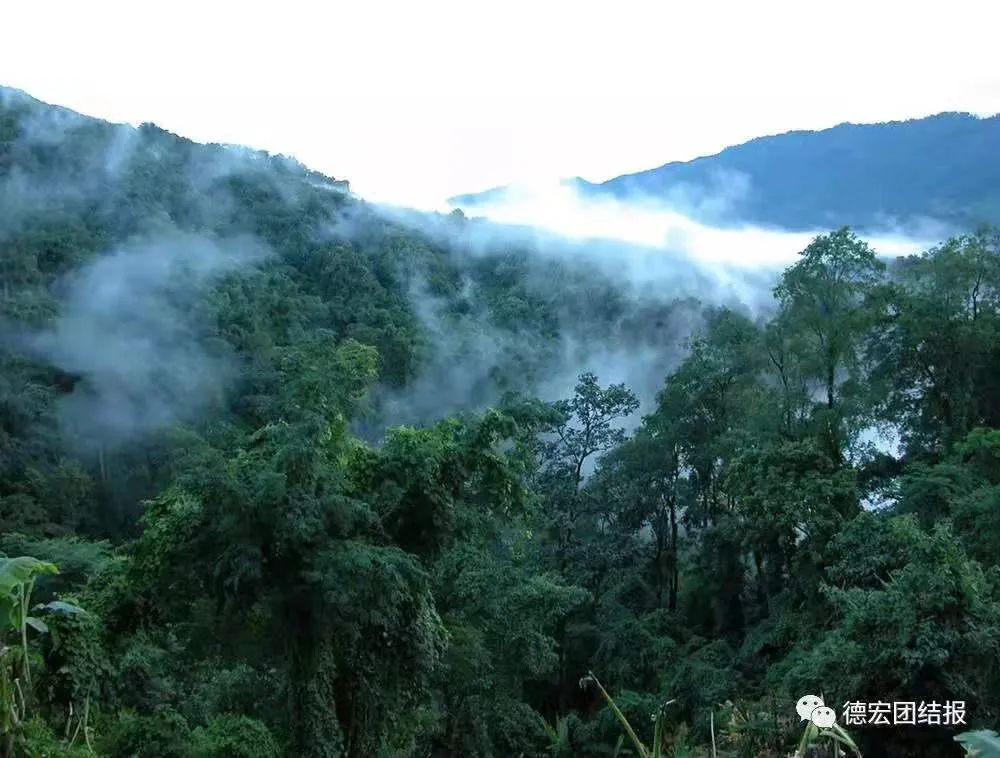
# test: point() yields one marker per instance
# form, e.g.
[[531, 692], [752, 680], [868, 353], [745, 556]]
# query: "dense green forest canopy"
[[942, 168], [328, 480]]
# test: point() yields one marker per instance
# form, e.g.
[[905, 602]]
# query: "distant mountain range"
[[944, 167]]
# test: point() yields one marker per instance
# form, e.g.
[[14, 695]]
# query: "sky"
[[413, 102]]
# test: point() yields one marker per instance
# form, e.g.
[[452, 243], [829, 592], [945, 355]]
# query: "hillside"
[[81, 188], [944, 167], [284, 473]]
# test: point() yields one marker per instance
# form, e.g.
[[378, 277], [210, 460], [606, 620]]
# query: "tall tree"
[[936, 354], [828, 295]]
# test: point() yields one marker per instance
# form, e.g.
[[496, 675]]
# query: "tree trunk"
[[658, 562], [672, 600], [315, 728], [762, 594], [830, 385], [561, 644]]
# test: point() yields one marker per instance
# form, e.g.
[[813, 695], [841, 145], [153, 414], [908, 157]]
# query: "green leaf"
[[808, 737], [837, 733], [37, 624], [984, 743], [16, 571], [61, 607], [640, 748]]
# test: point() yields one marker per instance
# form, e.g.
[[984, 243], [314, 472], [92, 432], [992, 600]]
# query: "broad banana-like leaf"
[[61, 607], [15, 571], [37, 624], [984, 743]]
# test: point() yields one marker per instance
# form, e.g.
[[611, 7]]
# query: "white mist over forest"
[[670, 224]]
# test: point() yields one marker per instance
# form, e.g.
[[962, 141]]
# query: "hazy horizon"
[[435, 104]]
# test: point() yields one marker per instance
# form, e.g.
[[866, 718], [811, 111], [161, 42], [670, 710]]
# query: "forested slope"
[[942, 168], [205, 353]]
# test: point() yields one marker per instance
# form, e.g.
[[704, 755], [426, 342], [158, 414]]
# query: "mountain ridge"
[[942, 167]]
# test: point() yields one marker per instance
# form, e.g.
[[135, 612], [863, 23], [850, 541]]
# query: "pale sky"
[[415, 101]]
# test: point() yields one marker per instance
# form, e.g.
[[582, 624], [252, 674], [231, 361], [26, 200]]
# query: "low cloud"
[[670, 226], [657, 261], [130, 335]]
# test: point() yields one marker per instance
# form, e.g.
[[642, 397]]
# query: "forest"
[[284, 474]]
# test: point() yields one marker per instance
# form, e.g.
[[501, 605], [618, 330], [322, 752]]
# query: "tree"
[[791, 500], [913, 618], [584, 427], [642, 485], [274, 525], [935, 354], [581, 428], [828, 298], [707, 404]]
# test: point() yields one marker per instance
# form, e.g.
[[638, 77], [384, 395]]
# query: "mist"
[[551, 281], [660, 264], [675, 225], [133, 337]]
